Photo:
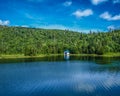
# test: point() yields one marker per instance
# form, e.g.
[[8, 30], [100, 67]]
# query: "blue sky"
[[77, 15]]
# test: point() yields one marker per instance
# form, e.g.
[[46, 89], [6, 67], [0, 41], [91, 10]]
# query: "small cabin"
[[66, 52]]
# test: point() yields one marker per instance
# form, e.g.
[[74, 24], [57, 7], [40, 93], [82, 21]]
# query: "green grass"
[[4, 56], [18, 56], [112, 54], [95, 55]]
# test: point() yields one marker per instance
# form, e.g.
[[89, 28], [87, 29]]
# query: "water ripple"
[[73, 78]]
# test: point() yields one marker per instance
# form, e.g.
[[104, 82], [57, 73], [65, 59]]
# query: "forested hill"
[[32, 41]]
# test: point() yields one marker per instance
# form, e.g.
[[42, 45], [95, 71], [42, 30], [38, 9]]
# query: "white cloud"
[[62, 27], [116, 1], [105, 15], [67, 3], [54, 26], [83, 13], [109, 17], [33, 17], [96, 2], [25, 26], [28, 16], [111, 27], [6, 22]]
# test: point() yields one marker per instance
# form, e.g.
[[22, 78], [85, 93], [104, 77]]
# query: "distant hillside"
[[32, 41]]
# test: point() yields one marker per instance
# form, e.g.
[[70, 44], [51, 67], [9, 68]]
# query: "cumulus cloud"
[[109, 17], [84, 13], [67, 3], [6, 22], [96, 2]]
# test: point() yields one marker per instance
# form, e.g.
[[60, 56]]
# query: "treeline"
[[33, 41]]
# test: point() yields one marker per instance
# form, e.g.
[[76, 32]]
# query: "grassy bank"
[[95, 55], [23, 56], [44, 55], [111, 55], [18, 56]]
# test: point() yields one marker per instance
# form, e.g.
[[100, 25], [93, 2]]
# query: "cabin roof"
[[66, 51]]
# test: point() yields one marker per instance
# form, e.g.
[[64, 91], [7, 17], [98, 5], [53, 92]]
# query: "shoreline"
[[18, 56]]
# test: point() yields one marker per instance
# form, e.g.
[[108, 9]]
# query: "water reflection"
[[54, 76], [97, 60], [66, 57]]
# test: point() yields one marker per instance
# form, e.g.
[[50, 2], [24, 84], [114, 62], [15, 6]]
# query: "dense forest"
[[34, 41]]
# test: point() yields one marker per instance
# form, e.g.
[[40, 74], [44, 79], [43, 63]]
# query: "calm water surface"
[[55, 76]]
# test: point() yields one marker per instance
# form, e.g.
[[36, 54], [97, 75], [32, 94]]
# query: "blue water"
[[59, 77]]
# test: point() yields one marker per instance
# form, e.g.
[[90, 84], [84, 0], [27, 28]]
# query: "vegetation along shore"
[[19, 42]]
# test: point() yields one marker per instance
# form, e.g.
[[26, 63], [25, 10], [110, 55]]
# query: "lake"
[[60, 76]]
